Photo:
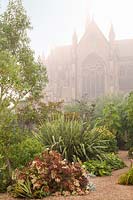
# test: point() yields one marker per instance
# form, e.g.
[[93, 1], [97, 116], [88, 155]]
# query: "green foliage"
[[25, 151], [72, 139], [101, 102], [9, 79], [130, 152], [49, 174], [112, 113], [72, 116], [122, 132], [109, 137], [130, 119], [32, 112], [20, 77], [113, 161], [97, 167], [4, 179], [83, 108], [16, 150], [9, 133], [28, 74], [110, 118], [15, 24], [127, 178], [104, 166], [109, 111]]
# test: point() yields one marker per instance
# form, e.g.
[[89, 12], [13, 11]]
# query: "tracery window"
[[93, 77], [126, 77]]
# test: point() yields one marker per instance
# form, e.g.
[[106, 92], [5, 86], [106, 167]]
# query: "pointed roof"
[[93, 29], [88, 21], [93, 40]]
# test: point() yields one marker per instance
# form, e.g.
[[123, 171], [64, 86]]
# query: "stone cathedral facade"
[[90, 67]]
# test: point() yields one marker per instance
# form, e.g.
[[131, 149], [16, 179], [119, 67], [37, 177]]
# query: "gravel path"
[[106, 187]]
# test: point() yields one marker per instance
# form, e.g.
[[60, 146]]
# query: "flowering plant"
[[49, 174]]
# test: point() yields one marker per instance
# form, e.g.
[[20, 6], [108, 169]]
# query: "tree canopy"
[[21, 76], [20, 73]]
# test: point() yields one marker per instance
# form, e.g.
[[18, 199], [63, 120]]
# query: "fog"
[[86, 45], [96, 61]]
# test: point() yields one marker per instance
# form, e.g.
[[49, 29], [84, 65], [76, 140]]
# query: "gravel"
[[107, 187]]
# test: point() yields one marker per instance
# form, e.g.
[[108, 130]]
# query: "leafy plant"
[[97, 167], [14, 25], [72, 116], [111, 118], [111, 111], [49, 174], [32, 112], [104, 166], [20, 76], [4, 179], [110, 138], [127, 178], [83, 108], [130, 152], [72, 139], [129, 110], [24, 151], [21, 150], [113, 161]]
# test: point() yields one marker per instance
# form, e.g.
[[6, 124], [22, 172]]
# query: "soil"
[[107, 187]]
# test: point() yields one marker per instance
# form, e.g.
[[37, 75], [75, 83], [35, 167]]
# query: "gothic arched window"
[[93, 76]]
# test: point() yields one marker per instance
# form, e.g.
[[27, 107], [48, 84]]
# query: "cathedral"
[[90, 67]]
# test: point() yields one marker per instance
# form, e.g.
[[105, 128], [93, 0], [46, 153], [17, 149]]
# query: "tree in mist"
[[21, 75]]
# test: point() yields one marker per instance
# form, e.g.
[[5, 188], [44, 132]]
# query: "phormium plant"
[[72, 139]]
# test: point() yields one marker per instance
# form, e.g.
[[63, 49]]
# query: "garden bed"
[[106, 187]]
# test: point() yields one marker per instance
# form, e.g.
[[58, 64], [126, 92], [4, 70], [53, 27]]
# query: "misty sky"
[[55, 20]]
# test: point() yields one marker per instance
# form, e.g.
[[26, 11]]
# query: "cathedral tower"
[[111, 34], [75, 62], [113, 69]]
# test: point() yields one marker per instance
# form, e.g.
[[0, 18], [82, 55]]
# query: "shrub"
[[72, 116], [4, 177], [110, 118], [25, 151], [129, 111], [83, 108], [97, 167], [130, 152], [33, 112], [110, 138], [104, 167], [49, 174], [9, 136], [113, 161], [127, 178], [19, 153], [72, 139]]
